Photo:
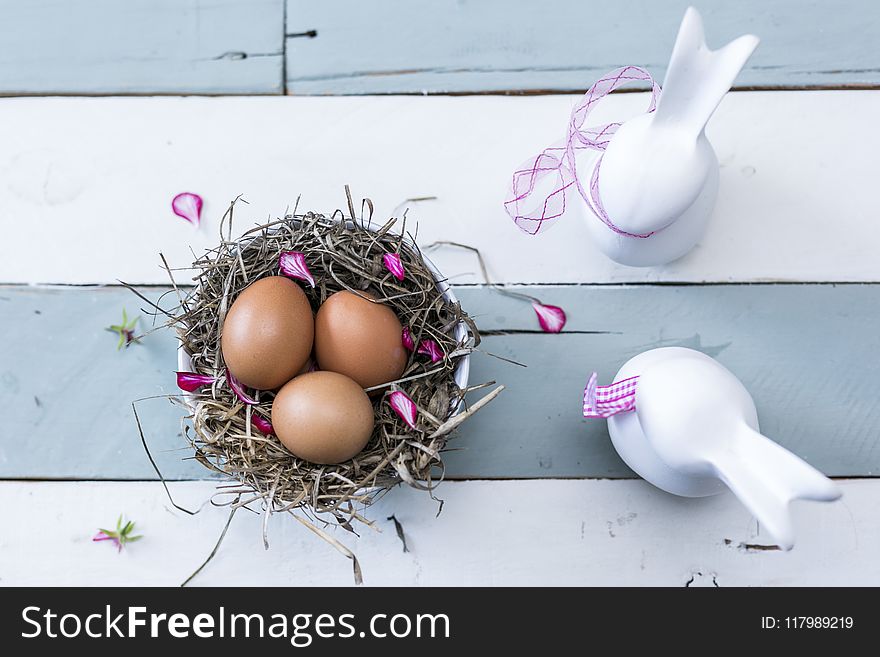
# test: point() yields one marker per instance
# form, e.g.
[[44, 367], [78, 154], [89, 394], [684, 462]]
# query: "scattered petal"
[[394, 264], [120, 536], [407, 339], [551, 318], [310, 366], [188, 206], [404, 407], [101, 536], [262, 424], [293, 264], [432, 349], [239, 390], [125, 330], [190, 381]]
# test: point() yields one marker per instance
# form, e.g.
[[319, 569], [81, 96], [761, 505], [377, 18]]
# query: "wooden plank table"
[[769, 334], [783, 288], [407, 46], [141, 46]]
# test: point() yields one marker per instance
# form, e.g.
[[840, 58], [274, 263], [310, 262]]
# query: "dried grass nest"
[[343, 254]]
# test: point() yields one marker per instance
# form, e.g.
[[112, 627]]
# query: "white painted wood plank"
[[589, 533], [87, 182]]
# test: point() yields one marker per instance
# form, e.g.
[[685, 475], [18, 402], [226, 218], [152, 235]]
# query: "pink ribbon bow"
[[531, 215], [605, 401]]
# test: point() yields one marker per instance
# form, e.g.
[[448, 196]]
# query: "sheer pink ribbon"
[[531, 215], [605, 401]]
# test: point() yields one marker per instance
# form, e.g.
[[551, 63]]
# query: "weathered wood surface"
[[410, 46], [87, 183], [141, 46], [169, 46], [803, 351], [534, 533]]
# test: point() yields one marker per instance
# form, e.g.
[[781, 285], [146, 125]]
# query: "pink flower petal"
[[101, 536], [188, 206], [407, 339], [394, 264], [293, 264], [262, 424], [551, 318], [190, 381], [238, 389], [432, 349], [404, 407]]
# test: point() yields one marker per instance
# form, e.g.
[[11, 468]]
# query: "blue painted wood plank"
[[141, 46], [394, 46], [805, 351]]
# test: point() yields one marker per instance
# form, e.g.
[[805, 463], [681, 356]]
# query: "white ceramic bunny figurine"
[[659, 173], [694, 429]]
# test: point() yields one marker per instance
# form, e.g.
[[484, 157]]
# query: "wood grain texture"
[[145, 46], [141, 46], [85, 197], [804, 351], [612, 533], [396, 46]]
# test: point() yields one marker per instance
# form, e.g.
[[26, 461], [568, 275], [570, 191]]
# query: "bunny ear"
[[697, 78], [605, 401]]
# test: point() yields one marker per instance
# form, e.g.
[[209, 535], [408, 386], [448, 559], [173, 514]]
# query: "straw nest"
[[342, 254]]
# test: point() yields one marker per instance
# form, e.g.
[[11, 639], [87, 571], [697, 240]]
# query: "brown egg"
[[268, 333], [360, 339], [323, 417]]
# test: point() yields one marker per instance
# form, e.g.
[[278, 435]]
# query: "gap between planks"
[[454, 94], [220, 479], [473, 286]]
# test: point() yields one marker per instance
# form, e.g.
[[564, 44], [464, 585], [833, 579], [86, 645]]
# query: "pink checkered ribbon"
[[605, 401], [534, 214]]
